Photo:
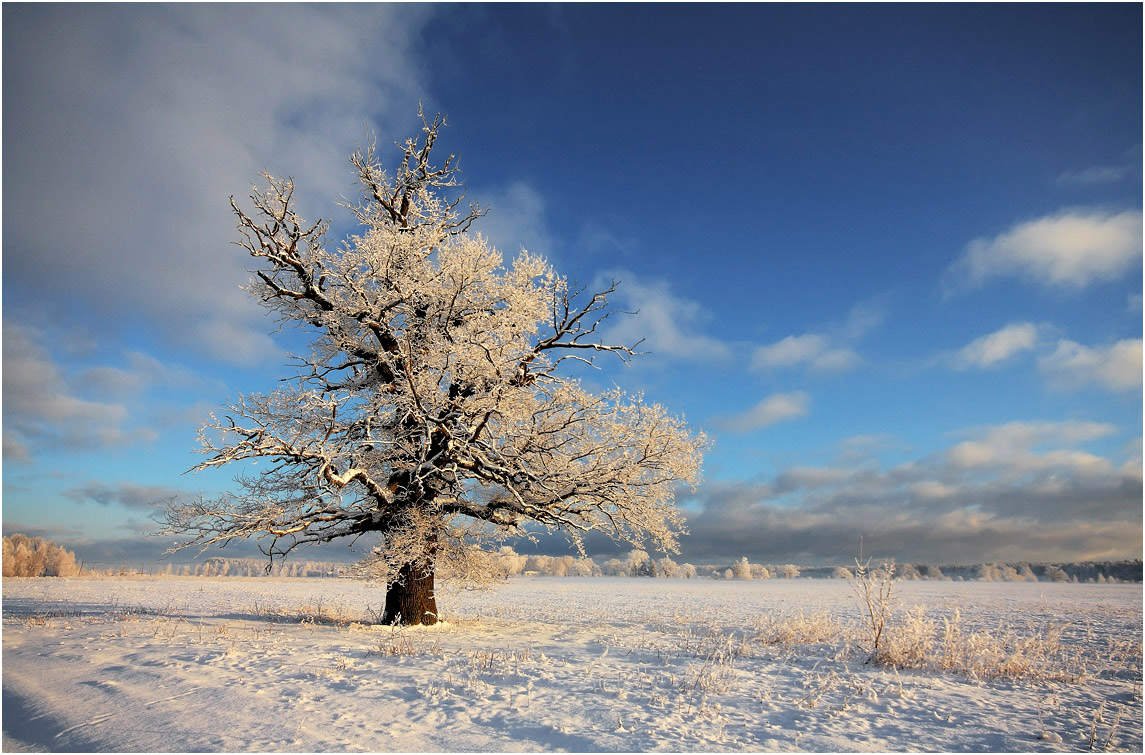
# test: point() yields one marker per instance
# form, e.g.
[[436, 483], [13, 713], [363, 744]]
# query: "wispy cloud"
[[826, 351], [1116, 367], [1094, 175], [997, 347], [146, 497], [670, 325], [777, 407], [811, 349], [55, 397], [1071, 249], [516, 220], [40, 408]]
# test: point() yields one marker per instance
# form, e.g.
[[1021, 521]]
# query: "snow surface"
[[594, 664]]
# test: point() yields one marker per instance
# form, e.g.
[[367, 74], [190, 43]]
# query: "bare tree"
[[434, 408]]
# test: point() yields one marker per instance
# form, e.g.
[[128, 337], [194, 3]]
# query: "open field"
[[596, 664]]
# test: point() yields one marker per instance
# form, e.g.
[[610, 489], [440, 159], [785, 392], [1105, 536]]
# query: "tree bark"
[[410, 599]]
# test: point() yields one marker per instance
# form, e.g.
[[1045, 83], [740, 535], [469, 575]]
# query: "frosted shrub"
[[874, 590], [842, 572], [910, 642], [742, 569]]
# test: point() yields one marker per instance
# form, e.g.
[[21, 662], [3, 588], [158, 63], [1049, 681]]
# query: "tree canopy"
[[435, 404]]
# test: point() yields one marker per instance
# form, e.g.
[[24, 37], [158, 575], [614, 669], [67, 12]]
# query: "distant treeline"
[[640, 564], [34, 557]]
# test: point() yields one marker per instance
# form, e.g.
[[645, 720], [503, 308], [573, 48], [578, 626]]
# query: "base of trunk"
[[410, 599]]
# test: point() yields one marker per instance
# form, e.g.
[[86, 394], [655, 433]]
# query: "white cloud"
[[811, 349], [1071, 249], [998, 346], [670, 325], [777, 407], [1012, 448], [823, 352], [1116, 367]]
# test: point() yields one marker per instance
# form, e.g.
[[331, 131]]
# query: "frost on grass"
[[575, 664]]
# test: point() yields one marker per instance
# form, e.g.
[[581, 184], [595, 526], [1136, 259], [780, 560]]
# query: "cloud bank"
[[1022, 490], [124, 146]]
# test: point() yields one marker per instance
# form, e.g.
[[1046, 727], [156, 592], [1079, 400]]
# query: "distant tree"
[[742, 569], [584, 567], [842, 572], [540, 563], [433, 408], [562, 566], [666, 567], [933, 572], [759, 571], [688, 571], [789, 571], [640, 564], [510, 561], [36, 557], [614, 567]]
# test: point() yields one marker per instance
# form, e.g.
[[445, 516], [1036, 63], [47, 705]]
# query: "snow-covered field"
[[561, 664]]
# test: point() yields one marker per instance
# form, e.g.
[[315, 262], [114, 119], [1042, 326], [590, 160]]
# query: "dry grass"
[[913, 640], [819, 628]]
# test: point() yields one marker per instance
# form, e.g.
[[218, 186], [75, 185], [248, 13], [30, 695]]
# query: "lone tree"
[[431, 409]]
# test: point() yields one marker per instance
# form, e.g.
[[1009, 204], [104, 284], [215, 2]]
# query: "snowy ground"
[[551, 664]]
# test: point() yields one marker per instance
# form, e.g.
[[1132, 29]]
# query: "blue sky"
[[888, 256]]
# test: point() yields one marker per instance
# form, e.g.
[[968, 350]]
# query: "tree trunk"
[[411, 599]]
